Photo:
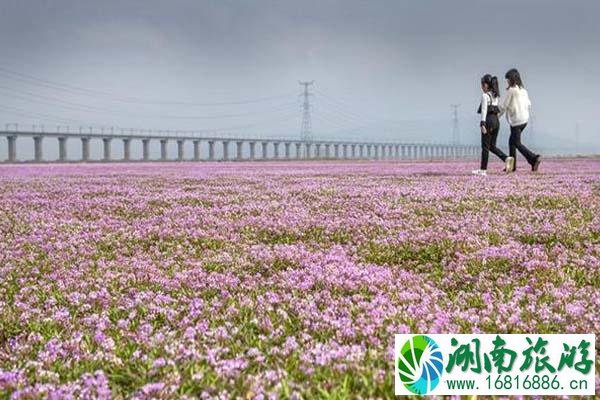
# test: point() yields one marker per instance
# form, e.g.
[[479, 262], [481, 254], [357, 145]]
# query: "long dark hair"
[[514, 78], [492, 84]]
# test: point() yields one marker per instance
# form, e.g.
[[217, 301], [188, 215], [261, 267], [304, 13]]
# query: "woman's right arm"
[[505, 103], [484, 111], [484, 108]]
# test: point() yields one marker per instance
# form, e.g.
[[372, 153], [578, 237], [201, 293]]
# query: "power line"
[[41, 117], [32, 80], [345, 108], [83, 108]]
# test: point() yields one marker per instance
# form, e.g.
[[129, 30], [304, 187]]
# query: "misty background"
[[383, 70]]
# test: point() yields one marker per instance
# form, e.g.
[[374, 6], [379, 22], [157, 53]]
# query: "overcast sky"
[[386, 69]]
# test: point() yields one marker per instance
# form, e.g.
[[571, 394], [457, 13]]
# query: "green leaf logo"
[[420, 364]]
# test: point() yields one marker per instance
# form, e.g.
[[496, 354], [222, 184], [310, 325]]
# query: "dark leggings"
[[514, 143], [488, 142]]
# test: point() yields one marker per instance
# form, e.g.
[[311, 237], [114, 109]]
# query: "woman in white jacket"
[[516, 106]]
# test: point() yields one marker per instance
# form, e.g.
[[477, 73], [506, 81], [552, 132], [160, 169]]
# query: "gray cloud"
[[382, 68]]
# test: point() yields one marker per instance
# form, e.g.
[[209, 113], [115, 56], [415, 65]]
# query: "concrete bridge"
[[232, 148]]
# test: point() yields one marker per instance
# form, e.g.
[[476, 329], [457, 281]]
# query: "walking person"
[[490, 124], [516, 106]]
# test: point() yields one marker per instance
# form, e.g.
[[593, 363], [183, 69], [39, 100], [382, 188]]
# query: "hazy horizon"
[[384, 70]]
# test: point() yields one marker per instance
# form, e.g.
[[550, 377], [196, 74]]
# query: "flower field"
[[278, 280]]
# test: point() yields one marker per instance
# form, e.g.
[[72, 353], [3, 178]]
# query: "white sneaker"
[[510, 164], [481, 172]]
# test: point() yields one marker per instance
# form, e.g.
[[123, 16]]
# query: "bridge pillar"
[[318, 150], [276, 150], [62, 149], [327, 150], [12, 148], [377, 152], [126, 149], [146, 149], [37, 146], [353, 151], [252, 150], [264, 150], [196, 150], [238, 150], [106, 142], [211, 150], [286, 150], [179, 149], [344, 151], [307, 150], [336, 151], [163, 149], [85, 149], [225, 150], [298, 150]]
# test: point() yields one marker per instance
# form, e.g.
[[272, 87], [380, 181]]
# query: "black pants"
[[488, 141], [514, 143]]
